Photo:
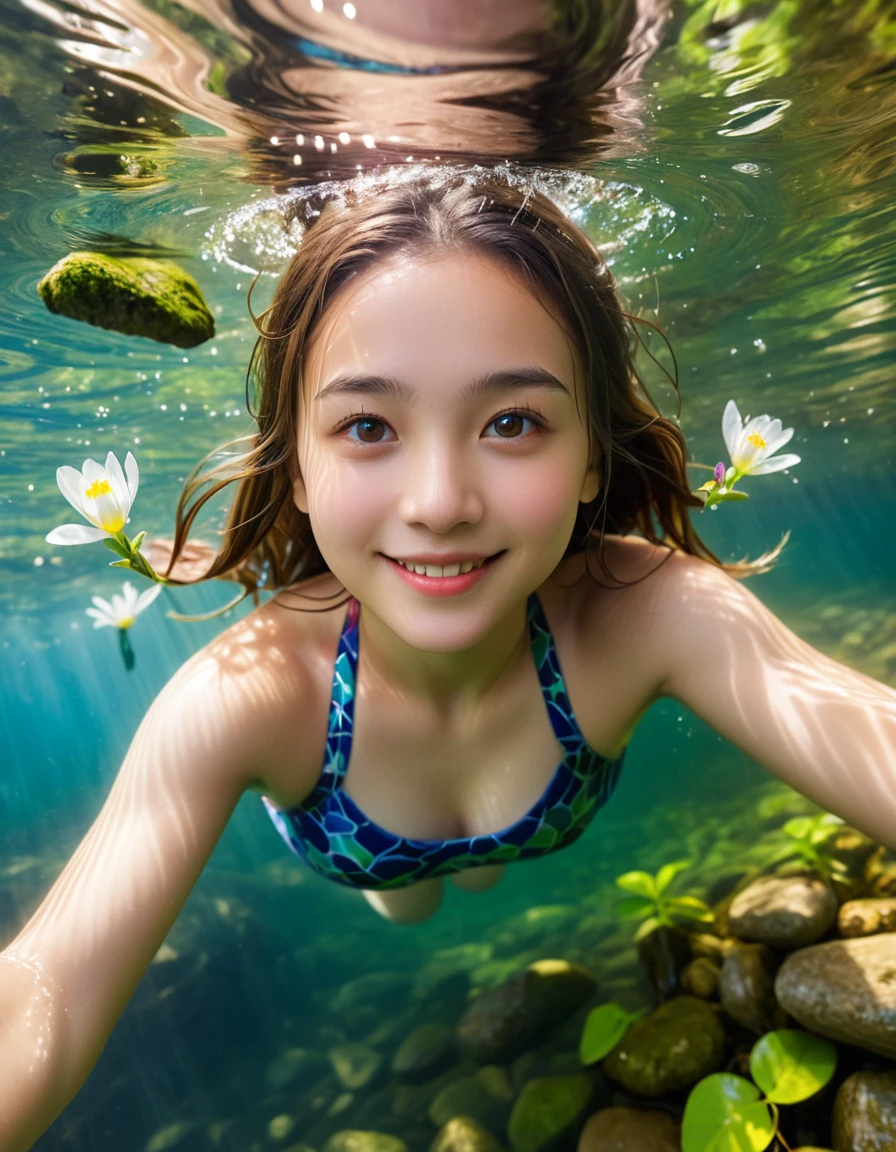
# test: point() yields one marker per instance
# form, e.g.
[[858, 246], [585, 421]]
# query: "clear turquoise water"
[[748, 199]]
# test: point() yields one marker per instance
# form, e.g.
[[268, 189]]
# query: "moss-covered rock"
[[701, 978], [470, 1096], [424, 1053], [463, 1134], [136, 296], [356, 1065], [670, 1049], [356, 1141], [867, 917], [549, 1110]]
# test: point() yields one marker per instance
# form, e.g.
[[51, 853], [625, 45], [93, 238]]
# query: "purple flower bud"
[[719, 472]]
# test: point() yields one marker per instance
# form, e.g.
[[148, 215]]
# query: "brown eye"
[[369, 430], [509, 425]]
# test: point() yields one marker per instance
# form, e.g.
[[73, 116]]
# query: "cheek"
[[542, 501], [342, 502]]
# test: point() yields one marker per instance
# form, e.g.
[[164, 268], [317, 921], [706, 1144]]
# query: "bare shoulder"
[[264, 685], [630, 605]]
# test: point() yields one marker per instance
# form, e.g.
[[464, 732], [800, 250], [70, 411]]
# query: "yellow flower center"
[[756, 440], [98, 488]]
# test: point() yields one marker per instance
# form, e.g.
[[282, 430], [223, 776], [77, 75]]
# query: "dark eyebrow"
[[359, 385], [528, 377]]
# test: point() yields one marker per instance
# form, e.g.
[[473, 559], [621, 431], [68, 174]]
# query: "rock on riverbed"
[[844, 989]]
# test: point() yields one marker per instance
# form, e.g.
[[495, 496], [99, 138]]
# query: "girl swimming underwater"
[[480, 526]]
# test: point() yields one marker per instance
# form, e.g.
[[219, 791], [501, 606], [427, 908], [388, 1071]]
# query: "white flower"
[[101, 495], [752, 445], [124, 609]]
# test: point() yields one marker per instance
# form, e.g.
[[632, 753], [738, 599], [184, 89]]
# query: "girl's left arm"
[[825, 729]]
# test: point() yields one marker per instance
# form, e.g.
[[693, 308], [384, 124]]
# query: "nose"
[[440, 489]]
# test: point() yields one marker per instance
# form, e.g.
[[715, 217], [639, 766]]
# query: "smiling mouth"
[[435, 570]]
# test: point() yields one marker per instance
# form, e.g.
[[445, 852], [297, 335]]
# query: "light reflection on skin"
[[444, 482], [826, 729]]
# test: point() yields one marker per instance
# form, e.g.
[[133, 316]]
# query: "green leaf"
[[120, 564], [790, 1065], [725, 497], [799, 827], [724, 1113], [691, 907], [118, 549], [137, 541], [647, 927], [635, 907], [667, 874], [604, 1028], [689, 904], [641, 883]]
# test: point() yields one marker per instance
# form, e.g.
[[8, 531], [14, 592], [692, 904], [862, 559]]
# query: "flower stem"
[[127, 652], [137, 562]]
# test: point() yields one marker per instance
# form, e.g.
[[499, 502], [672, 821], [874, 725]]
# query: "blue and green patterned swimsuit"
[[334, 837]]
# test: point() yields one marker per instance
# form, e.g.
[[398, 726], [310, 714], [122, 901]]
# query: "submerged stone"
[[672, 1048], [747, 987], [138, 297], [463, 1134], [424, 1053], [865, 1113], [846, 990], [356, 1065], [469, 1096], [701, 978], [783, 911], [503, 1021], [352, 1140], [629, 1130], [867, 917], [549, 1110]]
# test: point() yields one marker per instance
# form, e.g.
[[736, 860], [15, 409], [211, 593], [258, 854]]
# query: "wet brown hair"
[[641, 454]]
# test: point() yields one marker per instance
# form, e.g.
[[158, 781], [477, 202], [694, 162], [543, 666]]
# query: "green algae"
[[138, 297]]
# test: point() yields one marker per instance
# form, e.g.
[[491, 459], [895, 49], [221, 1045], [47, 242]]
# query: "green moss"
[[139, 297], [548, 1108]]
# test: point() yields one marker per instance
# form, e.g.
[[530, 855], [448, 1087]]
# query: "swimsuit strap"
[[550, 677], [341, 720]]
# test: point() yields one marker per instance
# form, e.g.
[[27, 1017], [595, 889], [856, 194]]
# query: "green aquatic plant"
[[752, 446], [648, 901], [807, 838], [727, 1113], [604, 1028]]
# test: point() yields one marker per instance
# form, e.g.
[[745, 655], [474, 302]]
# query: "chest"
[[426, 776], [477, 772]]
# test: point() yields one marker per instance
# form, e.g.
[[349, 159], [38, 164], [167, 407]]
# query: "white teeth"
[[449, 569]]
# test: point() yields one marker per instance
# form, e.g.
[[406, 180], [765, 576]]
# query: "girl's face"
[[441, 424]]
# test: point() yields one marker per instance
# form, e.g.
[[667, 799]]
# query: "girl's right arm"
[[66, 978]]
